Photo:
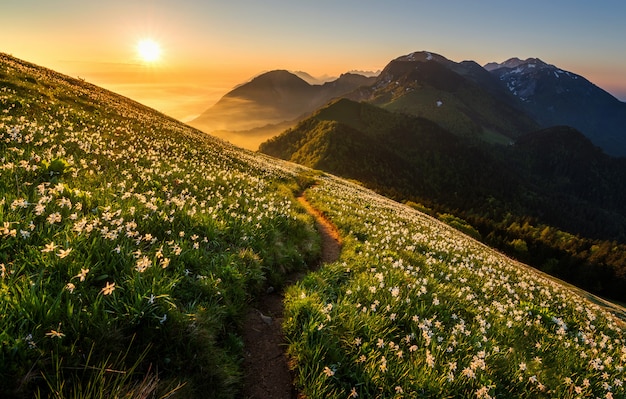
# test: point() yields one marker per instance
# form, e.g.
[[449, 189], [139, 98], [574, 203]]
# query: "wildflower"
[[108, 288], [143, 264], [357, 341], [55, 334], [49, 247], [64, 252], [83, 274], [522, 366], [29, 340], [165, 262], [399, 389], [70, 287], [468, 372], [353, 393], [64, 202], [430, 360], [383, 364], [19, 203], [54, 218], [328, 372]]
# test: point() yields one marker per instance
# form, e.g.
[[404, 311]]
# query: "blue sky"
[[210, 46]]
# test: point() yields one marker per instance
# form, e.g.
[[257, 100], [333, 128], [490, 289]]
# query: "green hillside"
[[131, 247], [522, 198], [129, 240], [415, 309], [460, 97]]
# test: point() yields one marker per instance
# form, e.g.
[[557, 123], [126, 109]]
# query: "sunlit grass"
[[414, 309], [119, 225], [125, 232]]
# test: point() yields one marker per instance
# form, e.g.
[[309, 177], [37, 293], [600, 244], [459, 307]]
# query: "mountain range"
[[552, 96], [413, 157], [495, 103], [522, 153], [553, 178], [461, 97], [269, 103]]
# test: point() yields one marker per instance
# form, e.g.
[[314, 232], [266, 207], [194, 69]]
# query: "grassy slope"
[[414, 309], [553, 177], [97, 190], [130, 191], [434, 90]]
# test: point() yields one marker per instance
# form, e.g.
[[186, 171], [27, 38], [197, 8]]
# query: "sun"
[[149, 50]]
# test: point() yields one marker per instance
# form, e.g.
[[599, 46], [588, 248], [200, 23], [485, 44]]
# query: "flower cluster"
[[415, 309], [116, 218]]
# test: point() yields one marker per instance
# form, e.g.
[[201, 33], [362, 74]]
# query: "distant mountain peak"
[[279, 76], [513, 63], [553, 96], [422, 56]]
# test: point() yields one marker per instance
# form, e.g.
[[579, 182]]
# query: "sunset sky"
[[209, 46]]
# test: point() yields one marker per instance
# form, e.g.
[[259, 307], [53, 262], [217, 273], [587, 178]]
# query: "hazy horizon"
[[208, 47]]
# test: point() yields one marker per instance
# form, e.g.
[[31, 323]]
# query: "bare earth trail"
[[265, 365]]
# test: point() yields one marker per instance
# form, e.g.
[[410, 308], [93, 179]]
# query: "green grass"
[[123, 231], [131, 245], [413, 309]]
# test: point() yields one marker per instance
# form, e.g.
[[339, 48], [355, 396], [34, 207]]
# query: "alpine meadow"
[[132, 246]]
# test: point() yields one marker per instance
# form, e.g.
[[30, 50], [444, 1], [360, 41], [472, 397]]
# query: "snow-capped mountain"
[[461, 97], [522, 77], [553, 96]]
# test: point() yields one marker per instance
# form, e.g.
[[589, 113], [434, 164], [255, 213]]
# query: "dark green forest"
[[550, 198]]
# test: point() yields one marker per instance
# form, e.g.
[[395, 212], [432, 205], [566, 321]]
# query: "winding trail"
[[265, 365]]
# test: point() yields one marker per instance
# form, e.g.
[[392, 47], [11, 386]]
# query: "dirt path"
[[266, 372]]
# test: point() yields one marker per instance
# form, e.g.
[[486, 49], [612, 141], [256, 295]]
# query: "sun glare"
[[149, 50]]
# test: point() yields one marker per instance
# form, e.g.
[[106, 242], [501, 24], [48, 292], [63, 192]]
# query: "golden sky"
[[209, 46]]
